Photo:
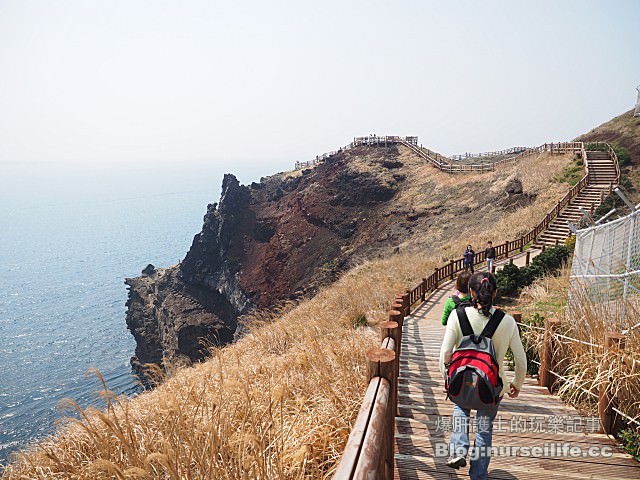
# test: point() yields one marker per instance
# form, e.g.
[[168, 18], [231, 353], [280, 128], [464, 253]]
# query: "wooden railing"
[[319, 159], [370, 141], [446, 165], [384, 141], [498, 153], [369, 451]]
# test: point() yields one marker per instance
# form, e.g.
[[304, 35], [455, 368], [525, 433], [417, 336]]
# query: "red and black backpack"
[[473, 375]]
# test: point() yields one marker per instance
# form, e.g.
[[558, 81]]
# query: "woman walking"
[[461, 296], [482, 287]]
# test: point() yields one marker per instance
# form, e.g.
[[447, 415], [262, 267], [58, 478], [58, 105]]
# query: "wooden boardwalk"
[[534, 419]]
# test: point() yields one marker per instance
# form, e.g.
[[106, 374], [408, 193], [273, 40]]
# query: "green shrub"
[[508, 279], [630, 441], [512, 278], [624, 158], [359, 320], [551, 259]]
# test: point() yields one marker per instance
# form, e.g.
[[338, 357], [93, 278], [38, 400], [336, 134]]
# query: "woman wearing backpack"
[[482, 287]]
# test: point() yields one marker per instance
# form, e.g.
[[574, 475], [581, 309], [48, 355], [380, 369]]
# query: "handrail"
[[372, 141], [445, 164], [369, 450], [499, 153], [368, 454]]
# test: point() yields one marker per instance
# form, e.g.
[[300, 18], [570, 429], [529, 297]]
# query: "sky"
[[257, 85]]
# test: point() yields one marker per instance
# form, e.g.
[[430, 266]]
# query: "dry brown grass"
[[587, 367], [277, 404]]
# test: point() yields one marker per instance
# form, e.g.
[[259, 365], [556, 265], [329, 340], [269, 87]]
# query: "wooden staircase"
[[602, 177]]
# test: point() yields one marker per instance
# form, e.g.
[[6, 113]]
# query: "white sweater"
[[506, 336]]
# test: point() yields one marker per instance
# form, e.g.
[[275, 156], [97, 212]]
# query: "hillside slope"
[[283, 238], [621, 131]]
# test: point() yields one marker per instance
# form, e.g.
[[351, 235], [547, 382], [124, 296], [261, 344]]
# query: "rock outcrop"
[[261, 245]]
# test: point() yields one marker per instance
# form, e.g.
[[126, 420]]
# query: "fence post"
[[544, 247], [381, 362], [424, 289], [528, 258], [546, 357], [517, 316], [521, 244], [451, 266], [405, 302], [611, 422]]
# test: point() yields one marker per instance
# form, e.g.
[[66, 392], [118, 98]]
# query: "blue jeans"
[[459, 445]]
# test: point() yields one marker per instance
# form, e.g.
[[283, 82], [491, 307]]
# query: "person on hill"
[[461, 296], [490, 256], [482, 287], [469, 258]]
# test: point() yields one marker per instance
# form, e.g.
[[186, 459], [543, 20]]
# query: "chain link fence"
[[606, 270]]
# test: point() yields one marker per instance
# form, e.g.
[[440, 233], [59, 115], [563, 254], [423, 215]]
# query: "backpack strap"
[[456, 300], [463, 320], [491, 326]]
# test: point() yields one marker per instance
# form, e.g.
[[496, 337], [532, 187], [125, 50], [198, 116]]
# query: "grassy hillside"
[[280, 402]]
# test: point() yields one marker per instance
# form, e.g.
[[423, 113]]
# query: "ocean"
[[69, 236]]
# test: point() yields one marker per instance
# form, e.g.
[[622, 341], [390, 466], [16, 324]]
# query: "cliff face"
[[261, 245]]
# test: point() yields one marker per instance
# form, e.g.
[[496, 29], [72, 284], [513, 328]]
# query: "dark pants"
[[468, 266]]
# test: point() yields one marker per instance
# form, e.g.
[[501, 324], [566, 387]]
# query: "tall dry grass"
[[277, 404], [588, 367]]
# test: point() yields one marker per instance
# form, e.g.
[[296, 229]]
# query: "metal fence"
[[606, 267]]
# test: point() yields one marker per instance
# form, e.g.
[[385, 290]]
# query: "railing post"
[[521, 244], [424, 289], [451, 266], [406, 304], [611, 422], [381, 362], [517, 316], [528, 257], [546, 357]]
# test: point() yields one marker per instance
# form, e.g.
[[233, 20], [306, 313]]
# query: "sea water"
[[69, 236]]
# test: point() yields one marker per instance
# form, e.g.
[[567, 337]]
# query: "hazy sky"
[[269, 82]]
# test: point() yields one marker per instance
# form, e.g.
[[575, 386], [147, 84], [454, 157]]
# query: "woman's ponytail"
[[484, 286]]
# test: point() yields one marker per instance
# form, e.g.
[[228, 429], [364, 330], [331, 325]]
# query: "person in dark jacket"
[[469, 258], [490, 256]]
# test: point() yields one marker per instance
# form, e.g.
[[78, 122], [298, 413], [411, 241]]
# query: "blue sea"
[[69, 236]]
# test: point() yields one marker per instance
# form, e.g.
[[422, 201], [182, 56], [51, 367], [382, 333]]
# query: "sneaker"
[[456, 462]]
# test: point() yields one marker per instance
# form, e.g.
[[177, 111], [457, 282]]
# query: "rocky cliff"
[[259, 246]]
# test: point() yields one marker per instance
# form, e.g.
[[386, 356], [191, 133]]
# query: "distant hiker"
[[490, 256], [469, 257], [479, 331], [461, 296]]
